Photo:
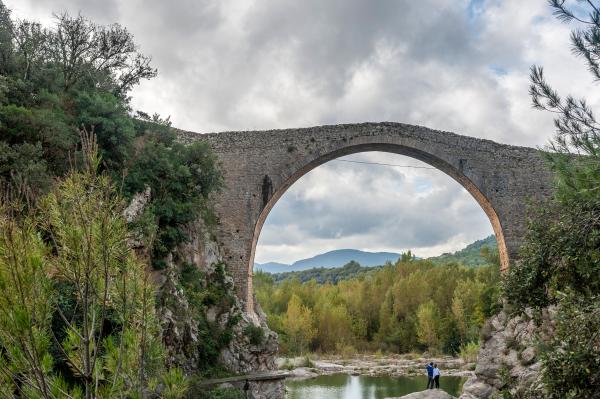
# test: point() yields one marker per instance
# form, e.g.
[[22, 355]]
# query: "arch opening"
[[300, 167]]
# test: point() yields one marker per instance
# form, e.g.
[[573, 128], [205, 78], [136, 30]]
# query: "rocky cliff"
[[203, 323], [202, 320], [507, 365]]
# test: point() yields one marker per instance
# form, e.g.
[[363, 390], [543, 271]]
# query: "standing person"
[[430, 376], [436, 376]]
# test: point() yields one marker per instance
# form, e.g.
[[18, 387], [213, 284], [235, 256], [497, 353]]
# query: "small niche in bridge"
[[267, 190]]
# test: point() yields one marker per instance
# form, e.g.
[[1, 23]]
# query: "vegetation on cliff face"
[[215, 294], [411, 305], [180, 178], [77, 74], [77, 303], [560, 262], [79, 310]]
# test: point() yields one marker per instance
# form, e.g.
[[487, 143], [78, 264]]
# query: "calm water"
[[342, 386]]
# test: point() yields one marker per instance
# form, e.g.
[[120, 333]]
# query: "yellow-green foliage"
[[298, 323], [469, 352], [26, 300], [412, 305], [102, 330], [428, 325]]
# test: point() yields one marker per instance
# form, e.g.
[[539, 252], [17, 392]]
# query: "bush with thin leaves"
[[468, 352], [110, 339]]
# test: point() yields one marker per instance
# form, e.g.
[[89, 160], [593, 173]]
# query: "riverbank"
[[372, 365]]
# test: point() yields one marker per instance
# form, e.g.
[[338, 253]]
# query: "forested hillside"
[[470, 255], [410, 305], [474, 255], [323, 275], [76, 75]]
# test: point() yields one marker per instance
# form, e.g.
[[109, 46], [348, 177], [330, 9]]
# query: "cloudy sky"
[[457, 65]]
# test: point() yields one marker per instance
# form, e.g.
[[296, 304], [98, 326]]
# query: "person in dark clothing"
[[430, 376], [436, 376]]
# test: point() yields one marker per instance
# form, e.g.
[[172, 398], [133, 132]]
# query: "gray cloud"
[[452, 65], [382, 208]]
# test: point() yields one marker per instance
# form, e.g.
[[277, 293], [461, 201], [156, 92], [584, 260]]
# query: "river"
[[343, 386]]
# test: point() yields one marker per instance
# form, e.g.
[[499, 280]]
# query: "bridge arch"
[[260, 166], [305, 166]]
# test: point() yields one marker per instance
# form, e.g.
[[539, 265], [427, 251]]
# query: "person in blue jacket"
[[430, 376]]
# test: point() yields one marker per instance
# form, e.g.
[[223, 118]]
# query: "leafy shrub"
[[560, 253], [203, 291], [180, 178], [228, 393], [255, 334], [572, 357], [347, 351], [306, 362], [175, 384], [288, 365], [468, 352]]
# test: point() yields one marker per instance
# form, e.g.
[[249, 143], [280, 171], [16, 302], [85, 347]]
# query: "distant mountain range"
[[468, 256], [337, 258]]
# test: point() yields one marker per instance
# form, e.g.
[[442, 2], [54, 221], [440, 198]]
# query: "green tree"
[[27, 304], [6, 33], [334, 326], [109, 337], [107, 54], [298, 325], [467, 309], [428, 322], [180, 178], [559, 263]]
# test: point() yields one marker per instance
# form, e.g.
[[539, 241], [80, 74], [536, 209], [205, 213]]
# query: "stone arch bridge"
[[259, 166]]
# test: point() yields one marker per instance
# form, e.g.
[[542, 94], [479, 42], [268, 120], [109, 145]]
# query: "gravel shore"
[[372, 365]]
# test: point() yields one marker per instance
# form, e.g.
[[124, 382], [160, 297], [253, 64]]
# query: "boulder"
[[428, 394], [507, 359]]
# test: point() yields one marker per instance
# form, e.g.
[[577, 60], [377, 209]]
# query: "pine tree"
[[577, 129], [560, 260], [73, 291]]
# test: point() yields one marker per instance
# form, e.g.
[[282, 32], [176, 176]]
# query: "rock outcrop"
[[189, 310], [203, 323], [507, 359], [428, 394], [242, 355]]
